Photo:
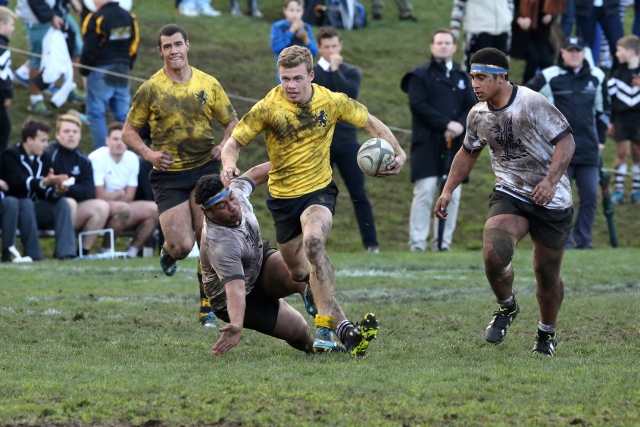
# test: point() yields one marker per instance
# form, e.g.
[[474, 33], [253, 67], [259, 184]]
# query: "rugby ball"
[[374, 156]]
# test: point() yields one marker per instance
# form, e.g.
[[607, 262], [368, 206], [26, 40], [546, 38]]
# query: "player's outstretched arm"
[[462, 165], [161, 160], [236, 305], [258, 174], [229, 157], [377, 129]]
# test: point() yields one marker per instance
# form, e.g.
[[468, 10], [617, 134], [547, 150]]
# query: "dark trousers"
[[636, 19], [19, 214], [587, 180], [5, 126], [476, 41], [611, 26], [58, 214], [344, 157]]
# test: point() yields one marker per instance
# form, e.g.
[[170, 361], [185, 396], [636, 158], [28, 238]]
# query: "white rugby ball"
[[375, 155]]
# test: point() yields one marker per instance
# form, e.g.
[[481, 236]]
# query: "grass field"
[[117, 343]]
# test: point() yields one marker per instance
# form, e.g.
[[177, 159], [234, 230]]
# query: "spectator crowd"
[[575, 53]]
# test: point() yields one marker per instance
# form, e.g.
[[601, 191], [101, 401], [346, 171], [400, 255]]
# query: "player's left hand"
[[395, 166], [215, 153], [543, 192], [231, 336]]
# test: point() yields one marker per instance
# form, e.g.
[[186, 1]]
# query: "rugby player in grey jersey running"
[[531, 145]]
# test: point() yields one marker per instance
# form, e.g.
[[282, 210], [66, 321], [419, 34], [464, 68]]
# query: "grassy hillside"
[[236, 50]]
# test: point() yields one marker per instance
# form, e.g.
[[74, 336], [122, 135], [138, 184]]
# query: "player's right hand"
[[231, 336], [441, 205], [228, 174], [161, 160]]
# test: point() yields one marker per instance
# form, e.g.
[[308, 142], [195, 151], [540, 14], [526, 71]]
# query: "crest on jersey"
[[202, 97], [461, 84], [322, 118], [512, 150]]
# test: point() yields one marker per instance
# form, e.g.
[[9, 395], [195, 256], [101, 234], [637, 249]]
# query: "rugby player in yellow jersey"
[[179, 102], [298, 118]]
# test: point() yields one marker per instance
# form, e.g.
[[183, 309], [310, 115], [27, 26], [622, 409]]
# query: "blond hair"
[[68, 118], [293, 56], [6, 14]]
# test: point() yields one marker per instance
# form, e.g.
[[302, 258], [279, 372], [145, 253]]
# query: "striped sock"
[[343, 329], [635, 170], [621, 171], [205, 306]]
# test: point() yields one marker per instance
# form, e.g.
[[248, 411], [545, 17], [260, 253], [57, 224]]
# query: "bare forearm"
[[259, 174], [236, 301], [561, 158], [228, 129], [230, 153], [377, 129], [462, 165], [132, 140]]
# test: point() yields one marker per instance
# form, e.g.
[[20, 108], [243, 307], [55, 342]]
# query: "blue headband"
[[212, 201], [488, 69]]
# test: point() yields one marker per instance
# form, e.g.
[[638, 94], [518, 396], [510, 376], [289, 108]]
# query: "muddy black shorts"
[[173, 188], [549, 227], [286, 212], [626, 129], [261, 312]]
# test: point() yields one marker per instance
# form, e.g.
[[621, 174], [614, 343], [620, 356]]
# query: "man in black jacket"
[[579, 92], [110, 43], [332, 73], [440, 97], [27, 171], [87, 212]]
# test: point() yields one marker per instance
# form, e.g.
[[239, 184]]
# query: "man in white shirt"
[[115, 175]]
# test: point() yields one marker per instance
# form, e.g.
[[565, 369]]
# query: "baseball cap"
[[574, 42]]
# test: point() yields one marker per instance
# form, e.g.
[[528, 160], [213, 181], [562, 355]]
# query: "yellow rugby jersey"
[[298, 137], [181, 115]]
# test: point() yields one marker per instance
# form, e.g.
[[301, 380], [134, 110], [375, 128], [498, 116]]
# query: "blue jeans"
[[611, 26], [636, 18], [587, 180], [105, 91], [569, 18]]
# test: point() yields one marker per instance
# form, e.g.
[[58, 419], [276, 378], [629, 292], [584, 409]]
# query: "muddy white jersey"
[[521, 137], [230, 253]]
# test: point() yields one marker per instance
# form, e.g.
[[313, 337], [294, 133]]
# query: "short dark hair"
[[114, 126], [327, 33], [491, 56], [630, 42], [169, 30], [443, 31], [207, 187], [31, 127]]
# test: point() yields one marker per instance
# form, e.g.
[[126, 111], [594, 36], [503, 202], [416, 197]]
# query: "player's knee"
[[179, 249], [314, 247], [101, 209], [498, 248]]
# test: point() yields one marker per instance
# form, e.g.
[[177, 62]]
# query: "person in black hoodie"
[[332, 73], [579, 92], [87, 212], [111, 44], [440, 97], [27, 170]]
